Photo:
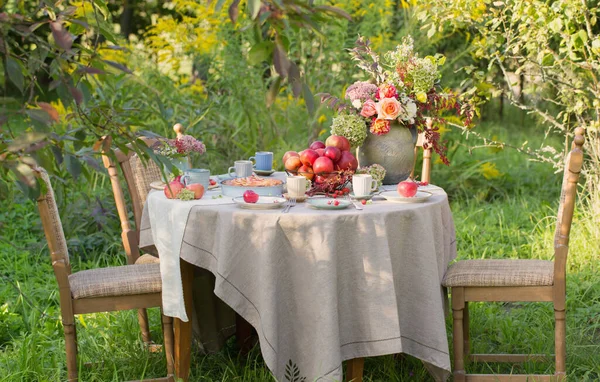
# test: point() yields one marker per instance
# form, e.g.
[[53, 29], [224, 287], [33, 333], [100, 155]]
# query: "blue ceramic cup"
[[264, 160], [196, 175]]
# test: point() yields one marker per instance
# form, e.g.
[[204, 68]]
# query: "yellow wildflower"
[[322, 118], [422, 97], [489, 171]]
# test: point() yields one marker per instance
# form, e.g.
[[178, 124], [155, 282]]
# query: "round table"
[[319, 286]]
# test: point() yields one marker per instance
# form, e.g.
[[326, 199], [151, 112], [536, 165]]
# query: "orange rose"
[[380, 126], [389, 108]]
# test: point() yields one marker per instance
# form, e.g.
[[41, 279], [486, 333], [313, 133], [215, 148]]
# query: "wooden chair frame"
[[129, 235], [556, 293], [426, 169], [70, 307]]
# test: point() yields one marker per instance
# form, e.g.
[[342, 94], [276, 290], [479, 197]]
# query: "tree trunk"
[[126, 18]]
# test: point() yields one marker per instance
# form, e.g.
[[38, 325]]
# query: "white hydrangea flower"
[[411, 109], [357, 104]]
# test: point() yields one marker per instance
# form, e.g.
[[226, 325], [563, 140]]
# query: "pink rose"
[[380, 126], [369, 109], [388, 108]]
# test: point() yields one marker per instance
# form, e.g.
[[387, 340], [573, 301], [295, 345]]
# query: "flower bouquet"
[[403, 92], [180, 149]]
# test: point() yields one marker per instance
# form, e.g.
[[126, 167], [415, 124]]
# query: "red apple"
[[323, 164], [308, 157], [173, 189], [407, 188], [321, 152], [333, 153], [289, 154], [293, 163], [317, 145], [198, 190], [339, 142], [250, 196], [307, 172], [347, 162]]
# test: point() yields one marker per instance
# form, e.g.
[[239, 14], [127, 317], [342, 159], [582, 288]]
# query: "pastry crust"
[[253, 181]]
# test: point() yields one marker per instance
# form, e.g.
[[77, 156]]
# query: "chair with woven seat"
[[97, 290], [138, 177], [517, 281]]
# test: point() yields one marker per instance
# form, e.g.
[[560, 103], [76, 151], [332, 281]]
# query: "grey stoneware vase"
[[394, 151]]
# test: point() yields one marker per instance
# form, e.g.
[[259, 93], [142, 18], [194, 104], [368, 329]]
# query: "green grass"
[[511, 216]]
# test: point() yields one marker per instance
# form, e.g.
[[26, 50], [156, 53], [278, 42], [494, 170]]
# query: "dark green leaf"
[[57, 154], [118, 66], [336, 11], [260, 52], [76, 94], [39, 115], [309, 99], [294, 78], [15, 73], [219, 5], [273, 91], [73, 165]]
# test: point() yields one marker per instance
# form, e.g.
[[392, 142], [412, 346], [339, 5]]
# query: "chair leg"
[[145, 328], [71, 349], [167, 326], [560, 344], [354, 370], [458, 307], [467, 337]]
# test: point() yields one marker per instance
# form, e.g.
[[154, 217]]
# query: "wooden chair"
[[97, 290], [138, 177], [517, 280]]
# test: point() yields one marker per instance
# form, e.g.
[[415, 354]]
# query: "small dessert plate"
[[264, 172], [393, 196], [158, 185], [328, 203], [263, 203], [362, 197]]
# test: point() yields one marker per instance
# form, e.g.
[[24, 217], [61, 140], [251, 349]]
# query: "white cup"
[[363, 184], [242, 168], [297, 186]]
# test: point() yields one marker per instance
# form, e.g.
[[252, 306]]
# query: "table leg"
[[183, 330], [354, 369], [244, 334]]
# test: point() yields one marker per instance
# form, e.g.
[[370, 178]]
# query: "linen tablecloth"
[[319, 286]]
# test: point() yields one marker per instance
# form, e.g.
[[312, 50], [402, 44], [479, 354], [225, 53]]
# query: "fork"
[[355, 203], [291, 203]]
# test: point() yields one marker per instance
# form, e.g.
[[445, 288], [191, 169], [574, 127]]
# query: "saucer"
[[327, 203], [158, 185], [362, 197], [263, 172], [299, 199]]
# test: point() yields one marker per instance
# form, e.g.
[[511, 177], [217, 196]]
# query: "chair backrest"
[[55, 236], [573, 164], [138, 176]]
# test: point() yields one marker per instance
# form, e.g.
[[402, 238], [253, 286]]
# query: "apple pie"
[[253, 181]]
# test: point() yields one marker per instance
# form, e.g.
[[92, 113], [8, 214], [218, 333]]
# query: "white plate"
[[263, 203], [393, 196], [328, 203]]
